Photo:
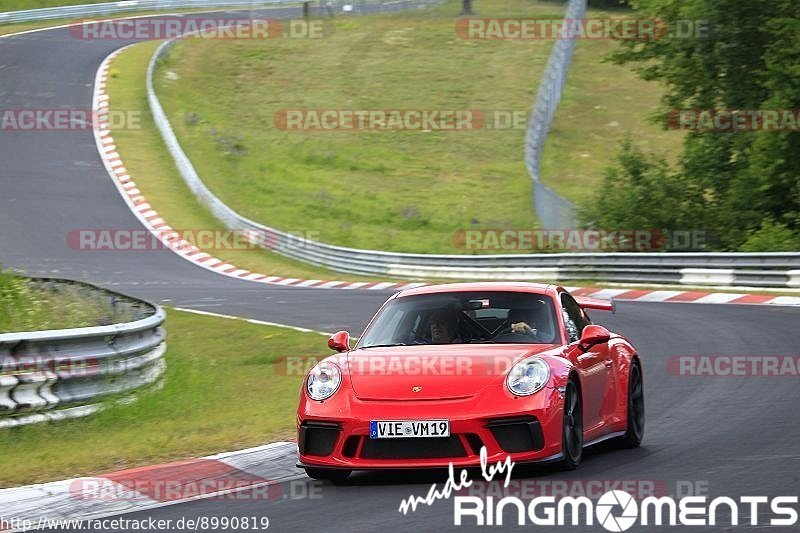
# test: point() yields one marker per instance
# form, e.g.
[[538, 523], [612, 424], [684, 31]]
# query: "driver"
[[444, 325]]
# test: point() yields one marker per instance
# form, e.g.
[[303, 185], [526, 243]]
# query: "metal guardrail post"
[[553, 210]]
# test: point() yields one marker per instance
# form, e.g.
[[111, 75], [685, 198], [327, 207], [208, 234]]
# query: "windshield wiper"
[[384, 345]]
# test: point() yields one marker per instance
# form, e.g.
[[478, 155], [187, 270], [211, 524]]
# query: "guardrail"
[[711, 269], [126, 6], [57, 374], [553, 210], [323, 7]]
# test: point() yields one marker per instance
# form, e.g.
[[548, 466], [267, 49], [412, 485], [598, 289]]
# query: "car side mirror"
[[339, 341], [592, 335]]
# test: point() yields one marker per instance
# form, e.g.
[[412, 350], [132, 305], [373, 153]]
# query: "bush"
[[772, 237], [24, 306], [642, 192]]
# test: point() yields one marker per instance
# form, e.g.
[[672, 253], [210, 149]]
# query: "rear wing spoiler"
[[593, 303]]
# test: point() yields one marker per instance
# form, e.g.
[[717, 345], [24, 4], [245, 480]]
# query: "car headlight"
[[323, 380], [528, 376]]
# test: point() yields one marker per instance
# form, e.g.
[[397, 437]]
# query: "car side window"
[[575, 318]]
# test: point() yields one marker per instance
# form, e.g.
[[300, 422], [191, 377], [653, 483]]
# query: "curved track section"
[[54, 181], [738, 435]]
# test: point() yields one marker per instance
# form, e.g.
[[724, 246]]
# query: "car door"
[[593, 364]]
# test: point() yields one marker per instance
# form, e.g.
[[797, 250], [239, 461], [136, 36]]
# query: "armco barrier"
[[125, 6], [55, 374], [320, 7]]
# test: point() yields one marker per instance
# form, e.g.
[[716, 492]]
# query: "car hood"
[[433, 372]]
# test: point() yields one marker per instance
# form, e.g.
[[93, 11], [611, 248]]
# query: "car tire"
[[572, 427], [333, 475], [634, 433]]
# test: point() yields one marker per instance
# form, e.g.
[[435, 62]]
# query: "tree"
[[641, 192], [748, 181]]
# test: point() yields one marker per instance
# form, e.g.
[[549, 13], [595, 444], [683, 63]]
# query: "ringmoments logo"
[[615, 509], [618, 510], [605, 510]]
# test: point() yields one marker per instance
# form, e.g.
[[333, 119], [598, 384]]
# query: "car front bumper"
[[335, 434]]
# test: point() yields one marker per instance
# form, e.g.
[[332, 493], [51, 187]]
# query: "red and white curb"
[[699, 297], [252, 474], [172, 239]]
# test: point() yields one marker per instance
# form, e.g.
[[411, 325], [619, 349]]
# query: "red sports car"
[[443, 371]]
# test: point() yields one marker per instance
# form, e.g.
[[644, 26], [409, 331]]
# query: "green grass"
[[6, 29], [602, 102], [390, 190], [26, 307], [220, 393], [16, 5], [19, 27], [151, 167]]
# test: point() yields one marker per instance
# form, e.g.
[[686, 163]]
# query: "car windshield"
[[464, 318]]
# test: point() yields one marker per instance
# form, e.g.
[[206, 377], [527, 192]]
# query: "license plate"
[[396, 429]]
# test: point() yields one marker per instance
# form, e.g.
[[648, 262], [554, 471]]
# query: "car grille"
[[317, 438], [518, 434], [414, 448]]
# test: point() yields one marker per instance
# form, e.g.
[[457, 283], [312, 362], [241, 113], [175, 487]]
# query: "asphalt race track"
[[52, 182], [737, 436]]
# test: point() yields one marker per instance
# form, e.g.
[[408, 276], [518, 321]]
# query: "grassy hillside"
[[393, 190]]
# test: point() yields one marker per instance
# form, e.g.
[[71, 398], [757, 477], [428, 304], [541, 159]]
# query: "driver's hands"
[[522, 328]]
